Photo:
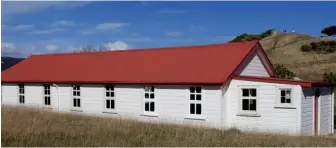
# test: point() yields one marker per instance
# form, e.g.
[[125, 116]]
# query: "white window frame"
[[110, 97], [195, 102], [76, 108], [46, 95], [149, 90], [278, 103], [21, 94], [240, 105]]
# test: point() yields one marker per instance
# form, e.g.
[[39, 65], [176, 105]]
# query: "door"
[[316, 111]]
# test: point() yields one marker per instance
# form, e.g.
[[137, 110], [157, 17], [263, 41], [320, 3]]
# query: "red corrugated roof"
[[284, 81], [207, 64]]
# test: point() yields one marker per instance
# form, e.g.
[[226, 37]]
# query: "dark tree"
[[329, 31], [283, 72], [91, 48], [329, 77]]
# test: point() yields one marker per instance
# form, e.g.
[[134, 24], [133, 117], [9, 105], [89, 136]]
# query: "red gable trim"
[[269, 67], [284, 81]]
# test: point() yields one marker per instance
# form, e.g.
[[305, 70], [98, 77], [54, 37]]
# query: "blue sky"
[[49, 27]]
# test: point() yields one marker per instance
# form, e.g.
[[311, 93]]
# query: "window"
[[46, 94], [76, 96], [21, 94], [285, 96], [109, 97], [195, 101], [249, 99], [149, 99]]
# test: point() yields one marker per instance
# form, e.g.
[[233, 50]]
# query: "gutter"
[[58, 98]]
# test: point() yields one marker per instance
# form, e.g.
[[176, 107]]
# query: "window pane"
[[198, 97], [45, 100], [253, 104], [152, 89], [245, 105], [152, 96], [48, 91], [245, 92], [288, 100], [147, 106], [147, 88], [78, 93], [107, 94], [108, 104], [78, 103], [146, 95], [112, 94], [287, 94], [48, 100], [283, 93], [74, 93], [112, 87], [198, 89], [107, 87], [253, 92], [192, 97], [152, 105], [198, 109], [45, 92], [283, 99], [74, 103], [192, 108], [112, 104], [192, 89]]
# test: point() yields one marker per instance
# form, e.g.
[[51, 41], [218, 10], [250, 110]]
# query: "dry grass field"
[[286, 49], [32, 127]]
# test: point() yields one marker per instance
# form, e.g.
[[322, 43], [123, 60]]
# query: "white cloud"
[[8, 47], [110, 26], [63, 23], [174, 33], [104, 27], [19, 7], [47, 31], [18, 27], [51, 48], [172, 11], [118, 45]]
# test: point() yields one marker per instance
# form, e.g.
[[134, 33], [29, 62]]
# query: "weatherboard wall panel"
[[271, 119], [325, 111], [253, 66], [10, 94]]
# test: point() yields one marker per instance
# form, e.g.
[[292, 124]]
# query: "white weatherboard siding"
[[307, 111], [325, 108], [253, 66], [10, 94], [172, 102], [271, 119]]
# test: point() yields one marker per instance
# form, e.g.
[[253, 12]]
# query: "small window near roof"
[[195, 107], [285, 96], [21, 94], [46, 94], [109, 96], [76, 96], [149, 99]]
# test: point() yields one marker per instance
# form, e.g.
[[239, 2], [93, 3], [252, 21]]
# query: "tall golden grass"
[[33, 127]]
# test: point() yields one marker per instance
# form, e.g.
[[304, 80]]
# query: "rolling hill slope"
[[285, 49]]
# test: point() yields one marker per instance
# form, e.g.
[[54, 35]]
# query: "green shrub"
[[322, 47], [329, 77], [284, 72]]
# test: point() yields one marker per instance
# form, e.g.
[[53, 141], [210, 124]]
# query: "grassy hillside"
[[31, 127], [285, 49]]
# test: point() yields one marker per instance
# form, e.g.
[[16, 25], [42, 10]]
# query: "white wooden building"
[[223, 85]]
